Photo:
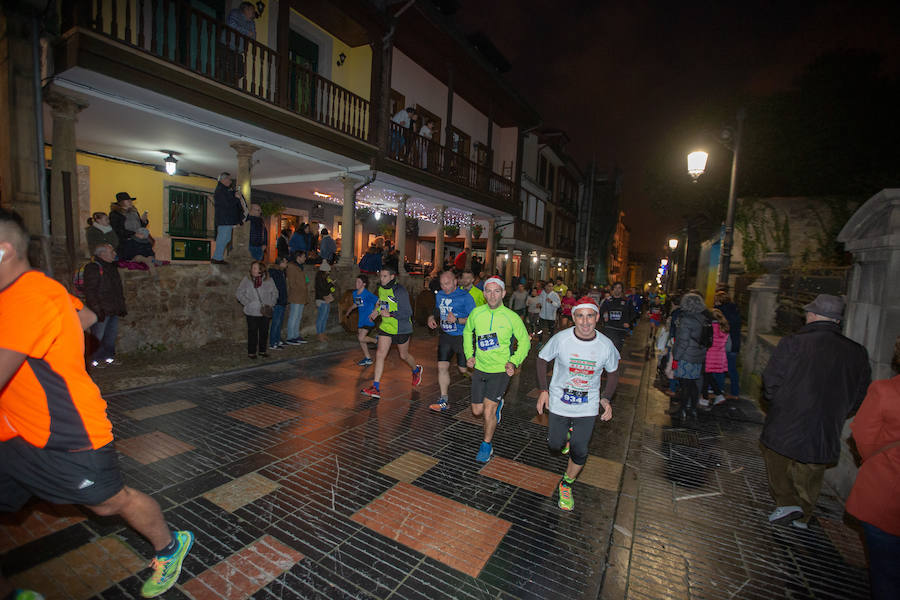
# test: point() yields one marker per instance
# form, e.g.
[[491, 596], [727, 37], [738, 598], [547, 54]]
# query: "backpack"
[[78, 279], [706, 334]]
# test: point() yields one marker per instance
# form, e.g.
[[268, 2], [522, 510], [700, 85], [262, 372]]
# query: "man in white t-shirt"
[[581, 354], [549, 306]]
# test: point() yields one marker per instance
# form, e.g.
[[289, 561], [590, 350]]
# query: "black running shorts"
[[396, 338], [88, 477], [448, 345], [488, 385]]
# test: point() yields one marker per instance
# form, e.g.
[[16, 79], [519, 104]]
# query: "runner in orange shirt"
[[56, 441]]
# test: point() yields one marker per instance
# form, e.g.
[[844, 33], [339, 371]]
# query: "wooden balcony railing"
[[179, 33], [417, 151]]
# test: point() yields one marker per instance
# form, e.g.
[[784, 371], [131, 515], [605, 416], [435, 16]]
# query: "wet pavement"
[[296, 486]]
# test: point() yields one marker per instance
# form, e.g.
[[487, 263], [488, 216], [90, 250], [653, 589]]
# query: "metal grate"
[[681, 438]]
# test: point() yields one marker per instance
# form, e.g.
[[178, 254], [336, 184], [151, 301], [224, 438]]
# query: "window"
[[459, 142], [551, 180], [481, 154], [426, 115], [396, 103], [188, 213], [542, 171]]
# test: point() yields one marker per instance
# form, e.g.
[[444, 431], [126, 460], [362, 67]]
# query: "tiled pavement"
[[298, 487]]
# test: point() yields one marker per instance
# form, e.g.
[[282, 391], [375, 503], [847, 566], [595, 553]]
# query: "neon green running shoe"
[[565, 449], [167, 569], [566, 501], [26, 595]]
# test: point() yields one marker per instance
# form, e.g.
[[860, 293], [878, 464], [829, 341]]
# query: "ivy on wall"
[[763, 229], [832, 213]]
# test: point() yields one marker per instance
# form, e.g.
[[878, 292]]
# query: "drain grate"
[[681, 438]]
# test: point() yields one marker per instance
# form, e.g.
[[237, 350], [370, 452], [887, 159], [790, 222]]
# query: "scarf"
[[103, 228], [257, 281]]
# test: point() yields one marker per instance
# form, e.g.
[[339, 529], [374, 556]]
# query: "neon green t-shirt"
[[492, 332], [478, 296], [386, 300]]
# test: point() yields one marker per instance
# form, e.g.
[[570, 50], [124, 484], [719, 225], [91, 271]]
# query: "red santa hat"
[[586, 302]]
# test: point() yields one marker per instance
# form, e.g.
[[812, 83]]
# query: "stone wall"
[[189, 306]]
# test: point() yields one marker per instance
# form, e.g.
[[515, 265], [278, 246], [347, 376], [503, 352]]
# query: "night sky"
[[619, 77]]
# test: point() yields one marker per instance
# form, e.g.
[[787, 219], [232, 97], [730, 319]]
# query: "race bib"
[[383, 305], [358, 301], [448, 327], [488, 341], [615, 315], [574, 396]]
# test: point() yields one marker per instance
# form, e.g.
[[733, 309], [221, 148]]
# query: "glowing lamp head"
[[697, 163], [171, 162], [673, 243]]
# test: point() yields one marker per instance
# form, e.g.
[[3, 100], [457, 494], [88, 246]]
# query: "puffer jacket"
[[103, 291], [690, 330], [716, 361], [253, 298]]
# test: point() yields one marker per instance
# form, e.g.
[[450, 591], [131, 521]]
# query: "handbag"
[[265, 310]]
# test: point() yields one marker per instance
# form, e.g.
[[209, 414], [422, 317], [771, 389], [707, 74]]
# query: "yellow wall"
[[356, 73], [108, 177]]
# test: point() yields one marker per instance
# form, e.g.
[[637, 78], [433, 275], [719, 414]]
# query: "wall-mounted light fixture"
[[321, 195], [170, 162], [341, 58]]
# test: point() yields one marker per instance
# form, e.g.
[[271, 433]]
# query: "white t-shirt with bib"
[[575, 386]]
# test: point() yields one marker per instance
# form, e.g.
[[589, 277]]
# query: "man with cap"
[[815, 379], [580, 355], [491, 327]]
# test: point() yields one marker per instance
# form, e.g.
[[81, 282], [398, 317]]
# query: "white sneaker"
[[784, 511], [720, 399], [703, 403], [800, 524]]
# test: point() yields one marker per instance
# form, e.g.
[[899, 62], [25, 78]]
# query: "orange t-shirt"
[[51, 401]]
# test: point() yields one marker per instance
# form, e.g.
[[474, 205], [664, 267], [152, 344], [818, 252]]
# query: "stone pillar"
[[509, 265], [400, 235], [240, 240], [490, 253], [468, 244], [65, 221], [439, 241], [348, 220], [763, 302]]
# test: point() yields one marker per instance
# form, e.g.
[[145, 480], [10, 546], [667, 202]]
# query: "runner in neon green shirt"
[[467, 282], [486, 341]]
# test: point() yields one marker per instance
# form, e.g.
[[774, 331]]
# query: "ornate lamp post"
[[697, 166]]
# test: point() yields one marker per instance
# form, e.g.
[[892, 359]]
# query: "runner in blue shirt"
[[452, 306], [364, 303]]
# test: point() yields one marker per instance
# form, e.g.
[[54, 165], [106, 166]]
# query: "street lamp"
[[698, 166], [673, 243]]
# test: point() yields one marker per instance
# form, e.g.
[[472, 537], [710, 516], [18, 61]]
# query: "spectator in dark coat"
[[259, 235], [124, 217], [100, 232], [327, 247], [104, 295], [229, 212], [814, 381], [690, 354], [277, 275], [281, 246], [371, 261], [300, 241]]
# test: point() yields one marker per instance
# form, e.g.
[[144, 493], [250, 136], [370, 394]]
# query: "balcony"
[[529, 233], [178, 33], [417, 151]]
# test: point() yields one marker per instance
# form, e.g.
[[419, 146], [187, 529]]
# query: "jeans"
[[733, 374], [322, 316], [256, 252], [257, 334], [293, 324], [884, 556], [223, 236], [105, 331], [275, 327]]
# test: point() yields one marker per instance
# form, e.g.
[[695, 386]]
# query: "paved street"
[[298, 487]]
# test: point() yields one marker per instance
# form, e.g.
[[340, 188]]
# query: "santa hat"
[[586, 302], [496, 280]]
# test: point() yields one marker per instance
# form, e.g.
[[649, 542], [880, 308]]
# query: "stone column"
[[439, 241], [240, 240], [763, 303], [348, 220], [64, 219], [468, 244], [490, 253], [400, 234]]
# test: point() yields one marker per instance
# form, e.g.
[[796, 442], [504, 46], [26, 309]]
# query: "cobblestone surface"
[[296, 486]]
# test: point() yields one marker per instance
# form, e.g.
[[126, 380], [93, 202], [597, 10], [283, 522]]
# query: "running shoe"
[[499, 411], [293, 342], [371, 392], [719, 399], [417, 375], [166, 569], [566, 501], [485, 452], [565, 449], [365, 362], [442, 406]]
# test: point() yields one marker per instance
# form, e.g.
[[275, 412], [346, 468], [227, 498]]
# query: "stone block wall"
[[189, 306]]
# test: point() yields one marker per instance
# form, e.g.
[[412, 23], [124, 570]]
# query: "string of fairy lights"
[[385, 201]]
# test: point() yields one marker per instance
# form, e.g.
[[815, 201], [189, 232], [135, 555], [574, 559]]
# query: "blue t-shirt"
[[460, 302], [365, 305]]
